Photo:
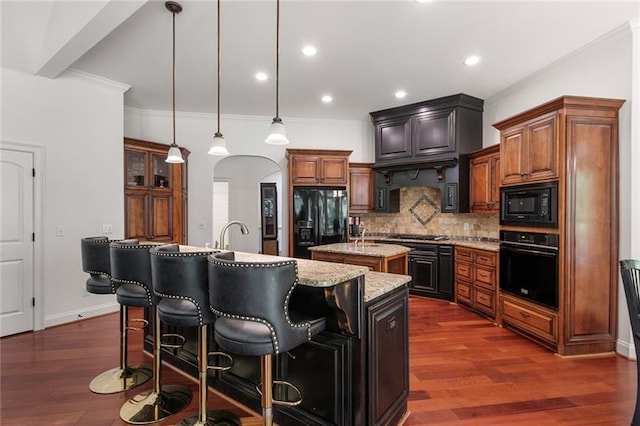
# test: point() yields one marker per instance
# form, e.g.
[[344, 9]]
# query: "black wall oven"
[[529, 266], [530, 205]]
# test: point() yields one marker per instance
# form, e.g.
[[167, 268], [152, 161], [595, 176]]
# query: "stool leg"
[[121, 378], [266, 369], [161, 402], [204, 417]]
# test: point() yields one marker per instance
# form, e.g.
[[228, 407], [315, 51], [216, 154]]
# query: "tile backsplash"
[[420, 214]]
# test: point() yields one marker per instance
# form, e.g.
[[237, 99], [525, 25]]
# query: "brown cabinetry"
[[484, 193], [573, 139], [361, 188], [476, 279], [318, 167], [396, 264], [530, 151], [155, 193]]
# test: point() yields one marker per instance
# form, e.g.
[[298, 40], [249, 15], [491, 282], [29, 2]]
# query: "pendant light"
[[277, 135], [174, 155], [218, 144]]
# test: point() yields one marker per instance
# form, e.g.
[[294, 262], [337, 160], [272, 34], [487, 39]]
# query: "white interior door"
[[16, 245]]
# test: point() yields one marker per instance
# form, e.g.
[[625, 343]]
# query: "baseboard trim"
[[80, 314], [625, 349]]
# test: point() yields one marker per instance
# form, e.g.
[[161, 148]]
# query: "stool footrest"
[[144, 322], [228, 357], [288, 385], [179, 341]]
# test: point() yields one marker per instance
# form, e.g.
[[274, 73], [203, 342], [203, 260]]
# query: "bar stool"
[[96, 262], [180, 279], [252, 301], [630, 271], [131, 266]]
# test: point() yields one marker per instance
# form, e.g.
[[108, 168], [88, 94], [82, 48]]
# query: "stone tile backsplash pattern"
[[420, 214]]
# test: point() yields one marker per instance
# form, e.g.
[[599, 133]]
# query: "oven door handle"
[[551, 253]]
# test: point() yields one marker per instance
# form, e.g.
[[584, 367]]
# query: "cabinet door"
[[135, 163], [388, 360], [512, 154], [361, 186], [393, 139], [480, 191], [424, 272], [434, 132], [542, 149], [135, 215], [494, 187], [305, 169], [334, 170], [160, 217], [445, 272]]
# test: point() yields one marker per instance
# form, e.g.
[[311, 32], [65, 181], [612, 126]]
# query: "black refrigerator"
[[319, 217]]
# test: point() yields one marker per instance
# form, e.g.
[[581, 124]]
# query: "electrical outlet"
[[466, 227], [201, 225], [59, 231], [107, 228]]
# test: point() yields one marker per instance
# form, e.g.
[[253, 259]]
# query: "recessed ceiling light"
[[309, 50], [260, 76], [327, 99], [401, 94], [472, 60]]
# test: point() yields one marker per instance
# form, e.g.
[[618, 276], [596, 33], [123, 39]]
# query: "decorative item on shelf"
[[218, 144], [174, 155], [277, 135]]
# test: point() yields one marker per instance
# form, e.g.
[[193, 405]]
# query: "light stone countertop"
[[369, 249], [315, 273], [377, 284], [479, 243]]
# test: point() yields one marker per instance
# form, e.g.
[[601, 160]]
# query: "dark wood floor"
[[464, 371]]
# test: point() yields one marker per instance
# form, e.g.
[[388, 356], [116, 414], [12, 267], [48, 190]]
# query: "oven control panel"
[[532, 238]]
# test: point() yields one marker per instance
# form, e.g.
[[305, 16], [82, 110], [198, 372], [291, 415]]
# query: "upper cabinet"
[[155, 193], [361, 188], [530, 150], [435, 130], [318, 167], [484, 180]]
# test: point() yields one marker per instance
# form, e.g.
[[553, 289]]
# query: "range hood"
[[426, 144]]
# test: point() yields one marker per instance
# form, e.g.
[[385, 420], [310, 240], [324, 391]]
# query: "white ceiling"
[[366, 51]]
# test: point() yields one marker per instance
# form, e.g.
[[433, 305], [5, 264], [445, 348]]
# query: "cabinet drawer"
[[463, 293], [485, 301], [485, 258], [485, 277], [542, 324], [464, 254], [464, 270]]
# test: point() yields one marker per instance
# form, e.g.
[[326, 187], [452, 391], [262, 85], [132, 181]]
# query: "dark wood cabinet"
[[393, 139], [155, 193], [434, 132], [574, 140], [431, 270], [484, 180], [387, 360], [361, 188]]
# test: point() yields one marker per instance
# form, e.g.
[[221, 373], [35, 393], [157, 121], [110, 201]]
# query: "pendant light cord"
[[173, 78], [277, 55], [218, 132]]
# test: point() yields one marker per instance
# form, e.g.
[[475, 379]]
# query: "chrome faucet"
[[243, 229], [364, 230]]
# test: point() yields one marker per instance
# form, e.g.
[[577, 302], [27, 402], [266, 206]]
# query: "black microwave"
[[533, 204]]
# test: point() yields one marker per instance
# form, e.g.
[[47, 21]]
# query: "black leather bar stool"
[[131, 267], [630, 271], [96, 262], [180, 279], [252, 301]]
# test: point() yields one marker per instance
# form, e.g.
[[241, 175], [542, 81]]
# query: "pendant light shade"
[[174, 155], [218, 144], [277, 135]]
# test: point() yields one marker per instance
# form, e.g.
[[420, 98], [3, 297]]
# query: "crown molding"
[[96, 79]]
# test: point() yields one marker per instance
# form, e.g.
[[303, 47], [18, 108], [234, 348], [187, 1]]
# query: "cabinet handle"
[[391, 323], [524, 314]]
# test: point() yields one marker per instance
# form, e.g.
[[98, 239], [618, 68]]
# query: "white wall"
[[601, 69], [244, 136], [78, 125]]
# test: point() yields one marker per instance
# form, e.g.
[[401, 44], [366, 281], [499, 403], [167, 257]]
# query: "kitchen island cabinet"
[[377, 257], [353, 373]]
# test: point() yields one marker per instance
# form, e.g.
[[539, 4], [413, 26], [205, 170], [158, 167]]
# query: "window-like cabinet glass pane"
[[161, 171], [136, 168]]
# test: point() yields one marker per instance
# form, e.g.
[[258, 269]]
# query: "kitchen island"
[[353, 373], [376, 256]]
